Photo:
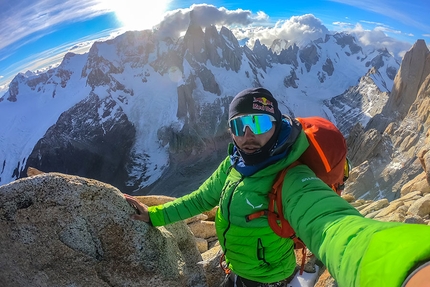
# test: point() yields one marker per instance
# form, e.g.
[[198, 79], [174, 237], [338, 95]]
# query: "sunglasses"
[[257, 123]]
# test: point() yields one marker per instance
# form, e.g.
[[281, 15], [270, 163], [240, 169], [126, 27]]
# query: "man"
[[356, 250]]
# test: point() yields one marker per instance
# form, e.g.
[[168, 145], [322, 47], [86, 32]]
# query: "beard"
[[249, 147], [254, 152]]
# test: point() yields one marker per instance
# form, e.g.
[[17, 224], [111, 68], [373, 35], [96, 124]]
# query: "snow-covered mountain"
[[122, 111]]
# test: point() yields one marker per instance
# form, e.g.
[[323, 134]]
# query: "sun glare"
[[138, 14]]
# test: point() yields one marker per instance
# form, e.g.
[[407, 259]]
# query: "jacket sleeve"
[[203, 199], [357, 251]]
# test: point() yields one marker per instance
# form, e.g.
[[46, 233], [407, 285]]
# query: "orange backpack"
[[326, 156]]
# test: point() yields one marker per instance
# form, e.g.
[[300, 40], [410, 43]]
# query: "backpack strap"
[[309, 131], [280, 225], [274, 213], [223, 264]]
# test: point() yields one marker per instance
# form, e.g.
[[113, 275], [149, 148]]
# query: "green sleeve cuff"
[[393, 252], [156, 215]]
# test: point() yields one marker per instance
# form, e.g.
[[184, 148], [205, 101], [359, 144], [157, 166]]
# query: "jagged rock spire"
[[414, 69]]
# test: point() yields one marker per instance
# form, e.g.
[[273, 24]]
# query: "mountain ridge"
[[199, 74]]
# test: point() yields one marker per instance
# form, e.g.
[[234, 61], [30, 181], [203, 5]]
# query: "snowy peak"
[[278, 45], [173, 93], [195, 42]]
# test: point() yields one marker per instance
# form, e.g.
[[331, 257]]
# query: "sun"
[[138, 14]]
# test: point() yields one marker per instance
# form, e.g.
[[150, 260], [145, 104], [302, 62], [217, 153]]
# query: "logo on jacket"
[[252, 205], [310, 178]]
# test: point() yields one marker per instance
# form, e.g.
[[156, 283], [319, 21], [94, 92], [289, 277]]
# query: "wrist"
[[419, 276]]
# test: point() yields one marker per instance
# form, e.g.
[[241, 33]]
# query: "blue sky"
[[37, 33]]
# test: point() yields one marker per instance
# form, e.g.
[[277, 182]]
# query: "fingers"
[[133, 203], [140, 208], [129, 198], [137, 217]]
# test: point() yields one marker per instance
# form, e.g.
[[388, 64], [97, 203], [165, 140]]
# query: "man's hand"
[[141, 209], [420, 277]]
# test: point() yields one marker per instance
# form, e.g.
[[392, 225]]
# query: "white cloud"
[[398, 10], [301, 29], [342, 25], [373, 23], [3, 89], [30, 17], [378, 39], [177, 21], [21, 19], [261, 16]]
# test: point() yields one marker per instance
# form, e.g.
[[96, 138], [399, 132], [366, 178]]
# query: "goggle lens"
[[258, 124]]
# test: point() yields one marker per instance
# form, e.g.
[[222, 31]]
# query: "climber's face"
[[252, 132]]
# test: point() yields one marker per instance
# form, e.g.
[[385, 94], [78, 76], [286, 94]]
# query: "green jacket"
[[356, 250]]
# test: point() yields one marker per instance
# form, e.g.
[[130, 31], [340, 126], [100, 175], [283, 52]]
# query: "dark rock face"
[[14, 89], [328, 67], [309, 56], [290, 80], [347, 40], [212, 42], [289, 56], [186, 104], [194, 40], [232, 52], [84, 142], [262, 54]]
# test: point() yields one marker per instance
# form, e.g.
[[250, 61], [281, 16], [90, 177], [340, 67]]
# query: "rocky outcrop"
[[409, 79], [390, 149], [424, 157], [61, 230], [359, 103]]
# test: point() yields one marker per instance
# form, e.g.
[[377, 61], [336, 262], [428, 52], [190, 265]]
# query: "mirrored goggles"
[[257, 123]]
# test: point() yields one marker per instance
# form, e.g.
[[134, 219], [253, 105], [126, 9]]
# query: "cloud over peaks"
[[300, 29], [177, 21], [244, 24], [378, 39]]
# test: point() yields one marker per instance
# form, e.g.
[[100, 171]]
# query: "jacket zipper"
[[261, 254], [229, 213]]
